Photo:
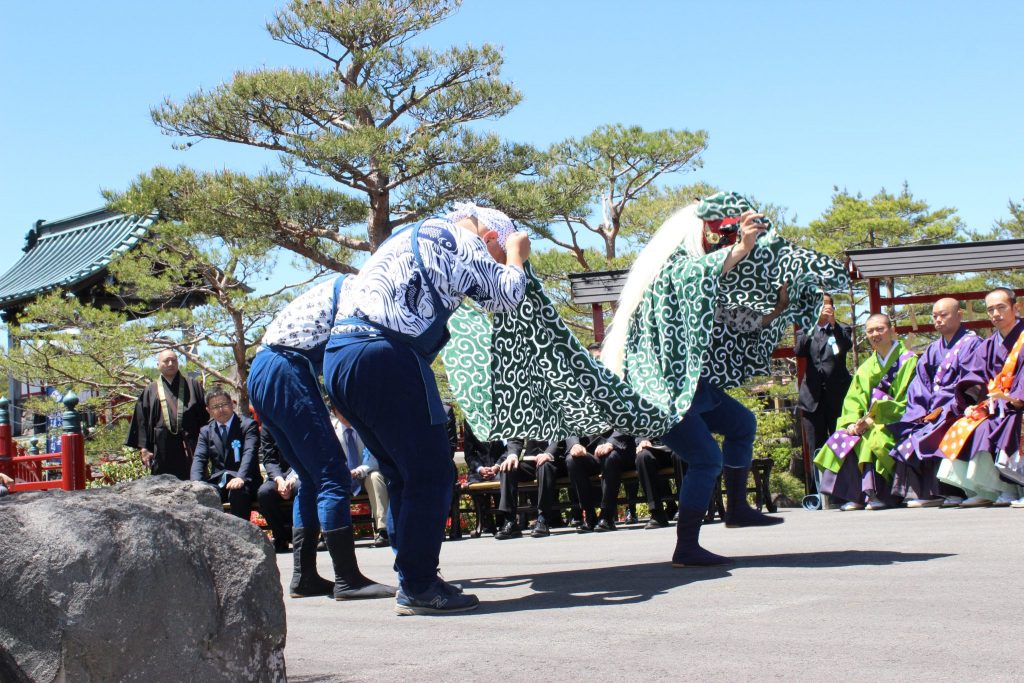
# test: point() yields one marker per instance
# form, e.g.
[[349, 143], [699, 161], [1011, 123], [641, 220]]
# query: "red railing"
[[27, 469]]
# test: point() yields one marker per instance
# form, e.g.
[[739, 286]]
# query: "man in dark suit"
[[525, 461], [227, 455], [280, 487], [607, 454], [826, 378]]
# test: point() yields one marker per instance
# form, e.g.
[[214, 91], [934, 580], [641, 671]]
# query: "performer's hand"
[[998, 394], [577, 451], [508, 464], [487, 472], [603, 450], [235, 484], [517, 246], [5, 480], [355, 474], [750, 228], [543, 458], [147, 456], [644, 443], [852, 430]]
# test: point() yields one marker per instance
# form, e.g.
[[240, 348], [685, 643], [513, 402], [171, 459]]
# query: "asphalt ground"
[[894, 595]]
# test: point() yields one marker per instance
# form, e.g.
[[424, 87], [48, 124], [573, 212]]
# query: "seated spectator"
[[526, 461], [365, 471], [652, 456], [985, 443], [931, 410], [481, 457], [607, 454], [280, 487], [5, 484], [227, 454], [482, 465], [856, 461]]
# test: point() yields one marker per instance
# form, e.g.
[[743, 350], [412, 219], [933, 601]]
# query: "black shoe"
[[381, 539], [738, 512], [540, 529], [349, 582], [631, 517], [671, 509], [575, 522], [510, 530], [605, 525], [584, 527], [658, 521]]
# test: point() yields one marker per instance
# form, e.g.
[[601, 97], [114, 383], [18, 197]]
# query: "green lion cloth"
[[695, 323], [876, 443], [692, 323], [528, 376]]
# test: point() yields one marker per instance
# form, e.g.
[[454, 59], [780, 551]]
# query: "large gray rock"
[[143, 581]]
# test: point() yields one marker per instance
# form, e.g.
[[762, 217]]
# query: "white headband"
[[492, 218]]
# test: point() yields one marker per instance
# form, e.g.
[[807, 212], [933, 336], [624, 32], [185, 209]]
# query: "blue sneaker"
[[437, 599]]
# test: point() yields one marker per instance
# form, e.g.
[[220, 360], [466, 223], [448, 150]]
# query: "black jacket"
[[213, 458], [273, 460], [825, 372]]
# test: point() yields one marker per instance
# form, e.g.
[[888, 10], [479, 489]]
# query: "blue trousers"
[[377, 385], [712, 412], [286, 396]]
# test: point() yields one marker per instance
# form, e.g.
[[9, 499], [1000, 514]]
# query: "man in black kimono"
[[167, 419]]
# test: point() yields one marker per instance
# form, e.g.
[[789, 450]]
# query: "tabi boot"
[[349, 582], [688, 552], [737, 510], [306, 582]]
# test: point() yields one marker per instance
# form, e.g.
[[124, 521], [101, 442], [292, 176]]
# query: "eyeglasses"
[[218, 406]]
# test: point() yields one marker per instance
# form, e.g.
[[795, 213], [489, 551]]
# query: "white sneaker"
[[976, 502], [1019, 503], [875, 504], [952, 501], [924, 502], [1004, 500], [851, 506]]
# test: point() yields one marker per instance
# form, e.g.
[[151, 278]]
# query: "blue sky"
[[797, 96]]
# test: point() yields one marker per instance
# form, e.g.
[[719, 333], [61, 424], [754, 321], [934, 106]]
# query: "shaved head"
[[947, 317]]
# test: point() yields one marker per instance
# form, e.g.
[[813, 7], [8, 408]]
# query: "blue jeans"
[[711, 412], [378, 386], [286, 396]]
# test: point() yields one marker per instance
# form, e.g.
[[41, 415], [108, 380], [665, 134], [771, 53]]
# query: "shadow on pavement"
[[630, 584]]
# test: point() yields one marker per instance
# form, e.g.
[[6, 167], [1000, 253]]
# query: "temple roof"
[[66, 252], [960, 257]]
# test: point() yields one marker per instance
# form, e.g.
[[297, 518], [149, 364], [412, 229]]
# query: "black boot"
[[349, 582], [306, 582], [737, 511], [688, 552]]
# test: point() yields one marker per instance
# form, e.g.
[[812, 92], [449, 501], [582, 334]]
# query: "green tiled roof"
[[65, 252]]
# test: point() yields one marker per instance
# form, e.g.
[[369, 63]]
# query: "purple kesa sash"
[[842, 443], [946, 366]]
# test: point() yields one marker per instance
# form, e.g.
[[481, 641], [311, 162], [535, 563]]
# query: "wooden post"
[[598, 314], [6, 442], [72, 446]]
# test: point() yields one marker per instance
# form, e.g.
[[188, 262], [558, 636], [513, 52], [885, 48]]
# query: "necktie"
[[222, 432], [352, 455]]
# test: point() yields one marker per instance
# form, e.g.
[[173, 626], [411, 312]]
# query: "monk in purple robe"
[[996, 439], [931, 410]]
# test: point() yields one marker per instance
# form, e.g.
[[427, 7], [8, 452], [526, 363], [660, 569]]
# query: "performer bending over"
[[377, 370], [285, 391]]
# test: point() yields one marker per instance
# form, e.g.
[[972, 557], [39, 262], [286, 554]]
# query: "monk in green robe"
[[856, 461]]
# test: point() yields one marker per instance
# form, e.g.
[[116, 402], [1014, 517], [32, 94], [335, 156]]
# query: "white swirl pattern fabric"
[[677, 335], [542, 384], [389, 289]]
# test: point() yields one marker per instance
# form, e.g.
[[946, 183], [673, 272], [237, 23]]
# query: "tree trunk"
[[379, 227], [241, 364]]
